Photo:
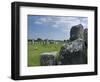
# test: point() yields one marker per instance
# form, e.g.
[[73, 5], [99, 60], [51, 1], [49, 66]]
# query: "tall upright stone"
[[75, 50], [86, 36], [77, 32]]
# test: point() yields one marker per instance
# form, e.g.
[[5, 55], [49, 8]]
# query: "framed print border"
[[15, 40]]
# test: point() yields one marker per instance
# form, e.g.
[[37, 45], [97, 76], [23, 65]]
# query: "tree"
[[39, 39]]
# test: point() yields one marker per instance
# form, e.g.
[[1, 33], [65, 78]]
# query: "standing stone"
[[74, 51], [46, 41], [33, 42], [47, 59], [86, 36], [77, 32]]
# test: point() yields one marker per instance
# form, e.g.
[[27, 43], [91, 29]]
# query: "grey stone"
[[86, 36], [75, 49], [76, 32], [73, 53], [47, 59]]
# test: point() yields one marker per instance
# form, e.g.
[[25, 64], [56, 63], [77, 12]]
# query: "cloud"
[[63, 23]]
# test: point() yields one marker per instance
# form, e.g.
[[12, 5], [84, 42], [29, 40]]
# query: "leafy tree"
[[39, 39]]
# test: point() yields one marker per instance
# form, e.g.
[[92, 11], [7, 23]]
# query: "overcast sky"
[[53, 27]]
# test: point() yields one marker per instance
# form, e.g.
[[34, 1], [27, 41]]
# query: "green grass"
[[34, 51]]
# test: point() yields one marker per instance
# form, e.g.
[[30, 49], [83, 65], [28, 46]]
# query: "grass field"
[[34, 51]]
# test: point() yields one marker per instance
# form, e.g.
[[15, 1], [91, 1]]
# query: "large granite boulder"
[[47, 59], [76, 32]]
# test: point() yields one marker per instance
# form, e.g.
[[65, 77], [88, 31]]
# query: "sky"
[[53, 27]]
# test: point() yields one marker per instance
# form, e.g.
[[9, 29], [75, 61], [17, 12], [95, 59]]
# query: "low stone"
[[47, 59]]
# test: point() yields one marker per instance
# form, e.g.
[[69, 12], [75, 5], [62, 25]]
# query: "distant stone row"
[[44, 41]]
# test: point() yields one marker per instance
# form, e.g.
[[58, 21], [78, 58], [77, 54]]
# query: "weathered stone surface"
[[47, 59], [73, 53], [75, 50], [76, 32]]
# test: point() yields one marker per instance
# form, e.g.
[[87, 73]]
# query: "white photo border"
[[27, 71]]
